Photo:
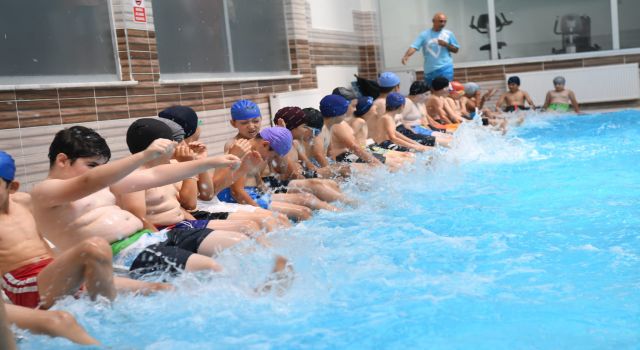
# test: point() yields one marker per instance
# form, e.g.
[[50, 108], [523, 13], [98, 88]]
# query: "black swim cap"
[[183, 116], [418, 87], [439, 83], [313, 118], [514, 80], [144, 131]]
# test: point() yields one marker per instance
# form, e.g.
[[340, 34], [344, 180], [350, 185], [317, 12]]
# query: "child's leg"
[[124, 284], [326, 190], [248, 227], [52, 323], [267, 220], [89, 262], [292, 211], [303, 199], [219, 240]]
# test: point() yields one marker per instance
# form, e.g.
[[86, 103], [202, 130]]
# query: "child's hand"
[[251, 160], [226, 160], [159, 148], [199, 149], [240, 148], [184, 153], [281, 123]]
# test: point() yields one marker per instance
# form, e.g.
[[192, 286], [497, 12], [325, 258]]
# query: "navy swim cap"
[[244, 109], [333, 106], [364, 105], [395, 100], [7, 167], [514, 80]]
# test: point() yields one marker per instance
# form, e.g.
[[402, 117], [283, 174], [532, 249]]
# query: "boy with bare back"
[[514, 99], [343, 147], [160, 206], [560, 99], [32, 275], [77, 201], [438, 108]]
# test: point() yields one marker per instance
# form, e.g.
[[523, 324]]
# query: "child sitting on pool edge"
[[560, 99]]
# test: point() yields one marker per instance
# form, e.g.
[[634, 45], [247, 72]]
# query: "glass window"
[[544, 27], [403, 21], [56, 41], [220, 37], [629, 25]]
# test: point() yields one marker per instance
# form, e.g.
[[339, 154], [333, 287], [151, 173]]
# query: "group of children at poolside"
[[170, 207]]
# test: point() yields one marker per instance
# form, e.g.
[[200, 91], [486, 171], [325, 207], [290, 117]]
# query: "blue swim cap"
[[514, 80], [333, 106], [388, 79], [244, 109], [364, 105], [7, 167], [395, 100]]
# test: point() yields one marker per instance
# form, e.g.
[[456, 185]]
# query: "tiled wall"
[[29, 118]]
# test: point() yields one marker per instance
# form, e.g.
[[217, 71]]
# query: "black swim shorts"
[[172, 254]]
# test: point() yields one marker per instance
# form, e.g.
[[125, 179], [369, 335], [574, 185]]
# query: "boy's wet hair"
[[78, 142]]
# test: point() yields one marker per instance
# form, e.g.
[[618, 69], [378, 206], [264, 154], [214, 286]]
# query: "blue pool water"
[[524, 241]]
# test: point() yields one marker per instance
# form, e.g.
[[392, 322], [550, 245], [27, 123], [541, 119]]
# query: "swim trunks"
[[309, 174], [205, 215], [277, 185], [261, 198], [559, 107], [348, 157], [21, 284], [425, 140], [170, 255], [393, 147], [515, 108]]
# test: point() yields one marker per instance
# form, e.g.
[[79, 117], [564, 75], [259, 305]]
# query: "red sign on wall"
[[139, 12]]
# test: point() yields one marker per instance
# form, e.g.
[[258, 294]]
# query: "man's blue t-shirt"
[[435, 56]]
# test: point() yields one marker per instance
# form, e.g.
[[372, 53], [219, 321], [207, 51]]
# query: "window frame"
[[56, 81], [493, 39], [186, 78]]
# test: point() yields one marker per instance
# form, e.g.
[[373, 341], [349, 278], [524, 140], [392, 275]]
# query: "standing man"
[[437, 45]]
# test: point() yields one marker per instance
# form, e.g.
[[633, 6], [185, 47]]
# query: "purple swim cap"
[[280, 139]]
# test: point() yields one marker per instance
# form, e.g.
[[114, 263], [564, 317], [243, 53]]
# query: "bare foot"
[[280, 279]]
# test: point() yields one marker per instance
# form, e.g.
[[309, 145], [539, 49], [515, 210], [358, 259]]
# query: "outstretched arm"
[[407, 55], [54, 192], [170, 173]]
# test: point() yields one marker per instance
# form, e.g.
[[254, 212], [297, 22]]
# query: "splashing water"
[[528, 240]]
